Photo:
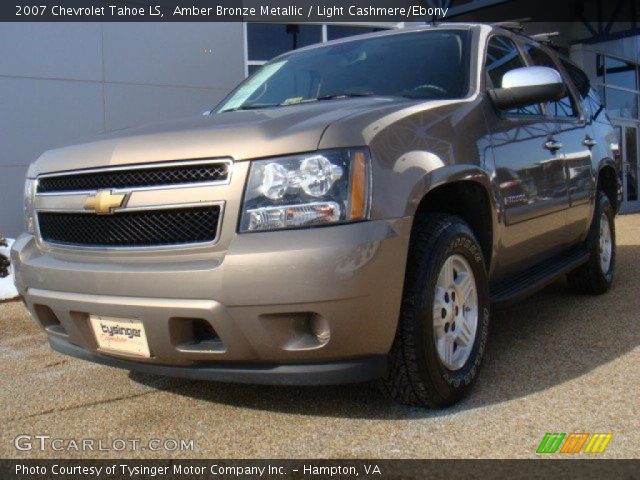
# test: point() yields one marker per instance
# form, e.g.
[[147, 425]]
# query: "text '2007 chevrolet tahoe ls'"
[[348, 213]]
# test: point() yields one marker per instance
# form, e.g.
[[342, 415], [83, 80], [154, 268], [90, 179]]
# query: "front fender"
[[457, 174], [446, 175]]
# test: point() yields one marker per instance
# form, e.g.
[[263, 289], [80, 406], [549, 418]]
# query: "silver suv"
[[348, 213]]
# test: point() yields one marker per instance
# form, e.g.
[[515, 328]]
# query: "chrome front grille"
[[156, 206]]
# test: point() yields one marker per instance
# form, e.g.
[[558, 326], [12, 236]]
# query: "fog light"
[[320, 328]]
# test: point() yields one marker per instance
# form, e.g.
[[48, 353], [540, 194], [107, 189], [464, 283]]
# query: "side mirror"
[[526, 86]]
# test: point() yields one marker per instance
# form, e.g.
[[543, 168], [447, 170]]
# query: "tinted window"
[[268, 40], [422, 65], [578, 77], [593, 104], [589, 97], [502, 56], [563, 107]]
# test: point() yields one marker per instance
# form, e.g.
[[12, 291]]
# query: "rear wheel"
[[444, 319], [595, 276]]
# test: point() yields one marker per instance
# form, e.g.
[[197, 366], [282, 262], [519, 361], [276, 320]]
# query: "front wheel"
[[444, 318], [595, 276]]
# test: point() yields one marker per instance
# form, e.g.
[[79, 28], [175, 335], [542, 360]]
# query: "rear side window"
[[503, 56], [563, 108], [588, 96], [578, 77]]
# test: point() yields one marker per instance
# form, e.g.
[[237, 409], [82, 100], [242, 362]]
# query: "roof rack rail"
[[516, 26], [545, 38]]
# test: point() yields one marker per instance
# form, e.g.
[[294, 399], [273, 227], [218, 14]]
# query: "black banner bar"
[[293, 11], [316, 469], [301, 11]]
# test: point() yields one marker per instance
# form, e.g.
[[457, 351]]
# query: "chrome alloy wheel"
[[605, 244], [455, 312]]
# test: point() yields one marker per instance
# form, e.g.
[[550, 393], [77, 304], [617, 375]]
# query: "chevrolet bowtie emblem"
[[104, 202]]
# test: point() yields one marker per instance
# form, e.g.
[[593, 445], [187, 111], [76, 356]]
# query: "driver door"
[[529, 170]]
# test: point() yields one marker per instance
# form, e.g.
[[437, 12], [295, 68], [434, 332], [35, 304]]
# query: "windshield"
[[420, 65]]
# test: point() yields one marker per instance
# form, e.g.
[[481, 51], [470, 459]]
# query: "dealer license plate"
[[120, 335]]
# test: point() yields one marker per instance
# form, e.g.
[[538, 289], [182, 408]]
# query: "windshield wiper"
[[251, 107], [331, 96], [334, 96]]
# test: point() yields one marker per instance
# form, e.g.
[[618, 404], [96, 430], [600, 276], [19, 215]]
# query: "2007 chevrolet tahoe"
[[348, 213]]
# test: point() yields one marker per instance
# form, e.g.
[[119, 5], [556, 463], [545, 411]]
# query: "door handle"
[[552, 145], [589, 142]]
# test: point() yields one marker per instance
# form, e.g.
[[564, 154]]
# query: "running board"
[[537, 277]]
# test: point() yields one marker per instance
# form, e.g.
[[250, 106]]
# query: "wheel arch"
[[473, 201], [608, 181]]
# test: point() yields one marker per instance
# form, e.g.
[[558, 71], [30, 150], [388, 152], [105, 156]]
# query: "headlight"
[[320, 188], [29, 192]]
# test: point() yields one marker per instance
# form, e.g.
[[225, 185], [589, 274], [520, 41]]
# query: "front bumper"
[[325, 373], [261, 296]]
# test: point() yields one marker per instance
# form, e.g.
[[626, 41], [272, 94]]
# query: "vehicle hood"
[[240, 135]]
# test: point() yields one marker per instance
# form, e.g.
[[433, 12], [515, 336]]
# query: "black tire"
[[416, 375], [589, 278]]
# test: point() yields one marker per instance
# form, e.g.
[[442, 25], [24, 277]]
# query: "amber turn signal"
[[359, 186]]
